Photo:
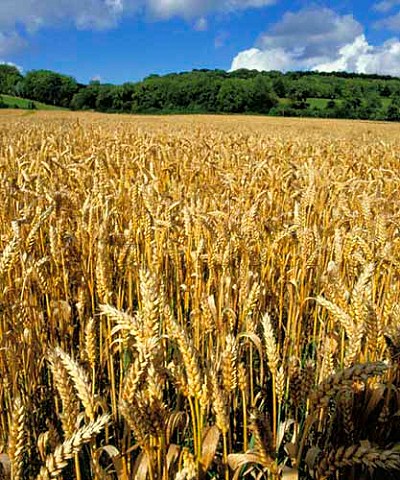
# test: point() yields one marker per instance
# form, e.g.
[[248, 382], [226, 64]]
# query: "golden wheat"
[[228, 288]]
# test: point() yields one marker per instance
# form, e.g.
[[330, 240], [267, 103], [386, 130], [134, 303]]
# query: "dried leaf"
[[290, 474], [172, 456], [141, 467], [115, 457], [5, 467], [209, 447]]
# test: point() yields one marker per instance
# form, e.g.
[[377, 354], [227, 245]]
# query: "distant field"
[[314, 102], [322, 102], [199, 297], [23, 103], [263, 125]]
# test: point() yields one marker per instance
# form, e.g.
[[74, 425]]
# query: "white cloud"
[[115, 5], [100, 14], [311, 33], [386, 5], [390, 23], [221, 39], [351, 57], [192, 8], [256, 59], [34, 15], [201, 24], [10, 43], [320, 39], [361, 57]]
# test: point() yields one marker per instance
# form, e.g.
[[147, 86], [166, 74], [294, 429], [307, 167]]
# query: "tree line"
[[313, 94]]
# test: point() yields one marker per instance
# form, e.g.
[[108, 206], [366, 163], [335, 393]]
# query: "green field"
[[314, 102], [322, 102], [24, 104]]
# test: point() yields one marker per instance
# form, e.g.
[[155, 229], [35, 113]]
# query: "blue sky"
[[126, 40]]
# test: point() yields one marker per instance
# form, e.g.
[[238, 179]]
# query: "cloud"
[[386, 5], [96, 78], [390, 23], [31, 16], [104, 13], [193, 8], [221, 39], [311, 33], [101, 14], [361, 57], [10, 43], [319, 39], [354, 57], [256, 59], [201, 24]]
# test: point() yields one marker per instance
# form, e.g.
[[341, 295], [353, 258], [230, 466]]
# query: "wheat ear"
[[16, 440], [333, 384], [366, 455], [80, 381], [62, 381], [55, 462]]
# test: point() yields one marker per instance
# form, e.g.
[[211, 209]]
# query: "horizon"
[[119, 41], [339, 74]]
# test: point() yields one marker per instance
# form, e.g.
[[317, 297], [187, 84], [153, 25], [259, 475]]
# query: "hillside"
[[17, 102]]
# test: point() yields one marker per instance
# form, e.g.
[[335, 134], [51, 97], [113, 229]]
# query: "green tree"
[[279, 87], [10, 76], [372, 106], [232, 97], [260, 95], [85, 98], [148, 96], [393, 111], [125, 96], [49, 87], [352, 102], [106, 98], [197, 92]]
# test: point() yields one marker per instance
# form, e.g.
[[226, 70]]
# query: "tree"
[[351, 106], [279, 87], [85, 98], [196, 92], [393, 111], [147, 96], [372, 106], [232, 96], [49, 87], [260, 95], [105, 98], [125, 96], [10, 76]]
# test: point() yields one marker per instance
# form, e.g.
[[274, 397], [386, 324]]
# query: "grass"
[[318, 102], [314, 102], [321, 103], [23, 103]]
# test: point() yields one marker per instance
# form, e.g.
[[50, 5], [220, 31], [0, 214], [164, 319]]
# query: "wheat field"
[[198, 297]]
